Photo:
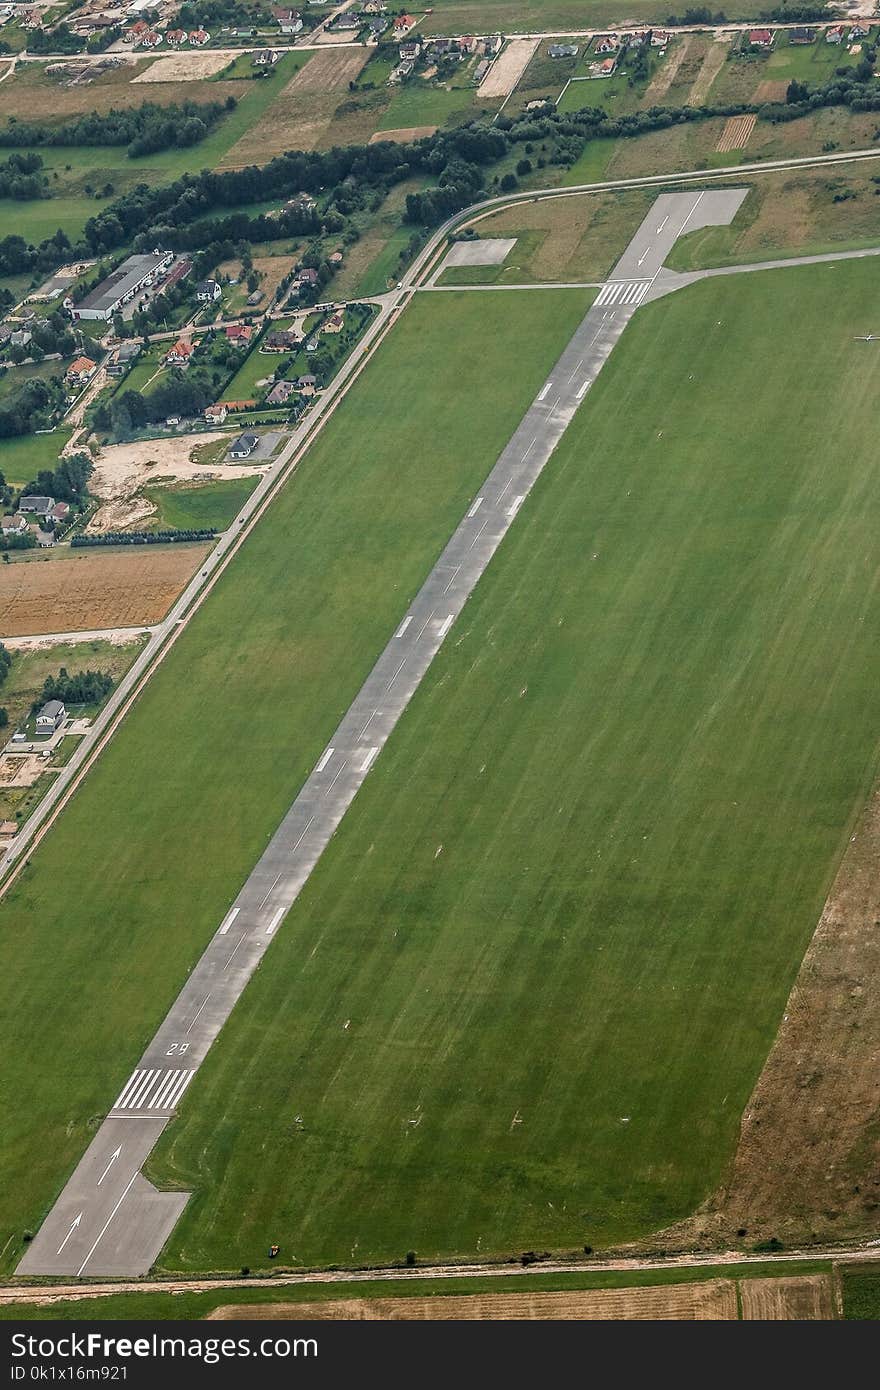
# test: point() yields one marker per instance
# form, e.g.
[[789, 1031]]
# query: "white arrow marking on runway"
[[663, 224], [106, 1223], [644, 257], [113, 1158], [69, 1234]]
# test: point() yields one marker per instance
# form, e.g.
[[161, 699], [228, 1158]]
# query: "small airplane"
[[867, 338]]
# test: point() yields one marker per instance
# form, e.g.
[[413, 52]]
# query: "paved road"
[[109, 1219]]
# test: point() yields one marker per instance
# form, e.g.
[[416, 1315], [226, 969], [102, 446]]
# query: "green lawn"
[[212, 504], [223, 737], [524, 997], [22, 458], [420, 103]]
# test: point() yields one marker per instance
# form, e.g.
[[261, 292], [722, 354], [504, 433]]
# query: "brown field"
[[184, 67], [713, 1299], [329, 72], [271, 270], [310, 114], [403, 135], [660, 84], [508, 68], [806, 1163], [30, 90], [736, 133], [94, 589], [805, 1296], [774, 89], [712, 64]]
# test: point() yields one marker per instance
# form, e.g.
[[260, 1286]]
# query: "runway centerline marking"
[[479, 533], [107, 1223], [309, 821], [453, 579], [335, 779], [269, 893], [235, 948], [198, 1015], [424, 624], [396, 674], [369, 722]]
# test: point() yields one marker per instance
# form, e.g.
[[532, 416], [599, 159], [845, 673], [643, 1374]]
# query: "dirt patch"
[[404, 135], [807, 1296], [123, 470], [712, 64], [184, 67], [507, 69], [328, 72], [95, 589], [659, 85], [714, 1299], [774, 89], [736, 132], [807, 1161], [21, 769]]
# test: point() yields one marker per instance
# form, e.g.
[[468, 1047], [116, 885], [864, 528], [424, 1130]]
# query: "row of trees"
[[21, 177], [143, 537], [144, 129]]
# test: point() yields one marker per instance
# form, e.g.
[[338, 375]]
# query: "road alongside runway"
[[109, 1220]]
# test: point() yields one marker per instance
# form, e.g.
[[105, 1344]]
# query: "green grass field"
[[535, 16], [212, 504], [23, 457], [524, 997], [421, 104], [223, 737]]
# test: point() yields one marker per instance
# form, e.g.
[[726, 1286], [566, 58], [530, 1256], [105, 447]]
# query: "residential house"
[[179, 355], [402, 25], [208, 291], [638, 38], [761, 38], [563, 50], [375, 7], [288, 21], [482, 68], [659, 38], [835, 34], [334, 324], [858, 31], [347, 22], [239, 335], [20, 337], [122, 358], [60, 512], [401, 71], [33, 505], [468, 44], [607, 66], [44, 539], [801, 35], [199, 37], [14, 524], [282, 340], [377, 26], [151, 39], [606, 43], [254, 298], [136, 32], [50, 717], [215, 414], [266, 57], [492, 45], [280, 393], [244, 446], [307, 384], [176, 37], [81, 370], [307, 276], [335, 258], [410, 51]]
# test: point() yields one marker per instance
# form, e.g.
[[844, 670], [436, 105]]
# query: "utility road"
[[109, 1220]]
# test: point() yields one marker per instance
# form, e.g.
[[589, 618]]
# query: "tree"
[[5, 662], [509, 183]]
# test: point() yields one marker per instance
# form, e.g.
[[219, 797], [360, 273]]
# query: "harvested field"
[[659, 85], [329, 72], [736, 133], [806, 1164], [774, 89], [184, 67], [712, 64], [97, 589], [506, 71], [713, 1299], [806, 1296], [403, 136], [29, 89]]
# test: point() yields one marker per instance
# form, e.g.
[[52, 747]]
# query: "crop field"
[[528, 16], [563, 917], [348, 539], [86, 589]]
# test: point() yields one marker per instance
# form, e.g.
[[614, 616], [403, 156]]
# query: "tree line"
[[144, 537], [81, 688], [144, 129], [21, 177]]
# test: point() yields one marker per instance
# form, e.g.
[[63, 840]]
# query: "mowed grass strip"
[[119, 901], [523, 998]]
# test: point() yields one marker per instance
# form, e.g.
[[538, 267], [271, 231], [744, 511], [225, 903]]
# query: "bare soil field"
[[329, 72], [184, 67], [736, 133], [712, 64], [94, 589], [660, 84], [29, 89], [311, 112], [805, 1296], [123, 470], [807, 1161], [507, 69], [403, 135], [21, 769], [774, 89], [713, 1299], [271, 270]]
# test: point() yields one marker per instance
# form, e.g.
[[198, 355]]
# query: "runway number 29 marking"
[[177, 1049]]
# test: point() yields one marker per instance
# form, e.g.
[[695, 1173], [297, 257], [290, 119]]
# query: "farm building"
[[50, 717], [135, 273]]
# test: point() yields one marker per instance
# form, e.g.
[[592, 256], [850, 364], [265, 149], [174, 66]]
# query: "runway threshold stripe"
[[147, 1079], [175, 1097], [582, 390], [229, 921], [123, 1094], [514, 507], [162, 1089]]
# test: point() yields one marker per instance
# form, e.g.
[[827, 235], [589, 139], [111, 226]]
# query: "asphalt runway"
[[108, 1219]]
